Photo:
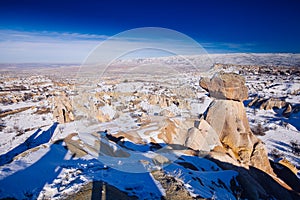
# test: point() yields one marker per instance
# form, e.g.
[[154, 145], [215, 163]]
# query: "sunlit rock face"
[[229, 86], [227, 116], [63, 110]]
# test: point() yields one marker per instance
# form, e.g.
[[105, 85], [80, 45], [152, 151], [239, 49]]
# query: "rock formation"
[[227, 116], [272, 103], [268, 104], [203, 137], [229, 86], [63, 111]]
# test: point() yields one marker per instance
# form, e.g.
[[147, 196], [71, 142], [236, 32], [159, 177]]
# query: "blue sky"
[[67, 30]]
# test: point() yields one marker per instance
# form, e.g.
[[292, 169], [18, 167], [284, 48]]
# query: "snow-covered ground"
[[35, 162]]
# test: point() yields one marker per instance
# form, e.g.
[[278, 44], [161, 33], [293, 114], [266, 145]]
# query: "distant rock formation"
[[267, 104], [63, 110], [275, 103]]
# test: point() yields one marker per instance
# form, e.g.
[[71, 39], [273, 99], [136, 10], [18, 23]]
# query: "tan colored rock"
[[160, 160], [228, 118], [259, 158], [203, 138], [184, 104], [204, 83], [166, 113], [63, 110], [173, 131], [196, 141], [229, 86], [168, 132], [162, 101], [254, 101], [288, 110], [289, 165], [133, 136], [76, 146], [209, 133]]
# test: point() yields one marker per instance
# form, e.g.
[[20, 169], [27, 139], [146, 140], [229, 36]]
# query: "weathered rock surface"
[[174, 189], [195, 140], [229, 86], [160, 160], [259, 158], [75, 145], [203, 138], [228, 118], [63, 110]]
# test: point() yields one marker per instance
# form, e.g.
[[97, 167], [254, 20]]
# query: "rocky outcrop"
[[63, 110], [267, 104], [75, 145], [228, 86], [196, 141], [203, 137], [273, 103], [227, 116], [229, 120]]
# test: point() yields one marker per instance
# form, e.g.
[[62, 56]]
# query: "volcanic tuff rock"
[[228, 118], [204, 137], [63, 110], [228, 86]]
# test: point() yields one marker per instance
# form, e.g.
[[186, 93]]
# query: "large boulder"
[[203, 138], [196, 141], [228, 86]]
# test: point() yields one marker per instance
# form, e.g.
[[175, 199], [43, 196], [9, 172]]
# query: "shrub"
[[259, 130]]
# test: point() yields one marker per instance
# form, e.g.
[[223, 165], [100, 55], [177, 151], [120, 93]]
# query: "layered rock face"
[[227, 116]]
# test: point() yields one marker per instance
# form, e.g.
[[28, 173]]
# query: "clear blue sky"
[[226, 25]]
